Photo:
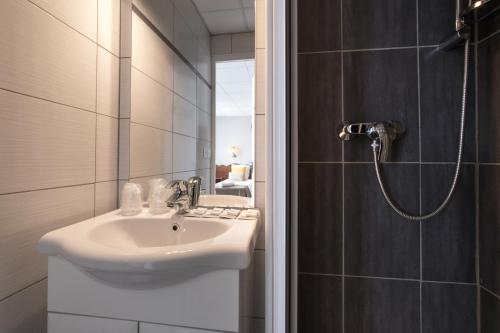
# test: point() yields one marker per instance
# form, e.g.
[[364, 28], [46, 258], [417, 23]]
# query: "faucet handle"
[[179, 186]]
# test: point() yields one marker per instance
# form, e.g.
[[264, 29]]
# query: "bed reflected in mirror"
[[234, 123]]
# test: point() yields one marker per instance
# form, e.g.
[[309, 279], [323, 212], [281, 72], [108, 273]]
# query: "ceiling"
[[227, 16], [234, 88]]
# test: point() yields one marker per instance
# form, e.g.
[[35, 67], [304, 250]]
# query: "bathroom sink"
[[221, 200], [147, 250]]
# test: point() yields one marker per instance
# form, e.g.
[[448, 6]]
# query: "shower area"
[[357, 265]]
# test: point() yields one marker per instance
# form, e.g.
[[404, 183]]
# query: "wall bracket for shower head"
[[383, 133]]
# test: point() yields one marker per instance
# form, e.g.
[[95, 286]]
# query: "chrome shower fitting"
[[382, 133]]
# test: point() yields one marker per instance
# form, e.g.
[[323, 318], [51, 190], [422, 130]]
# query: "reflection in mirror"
[[234, 138]]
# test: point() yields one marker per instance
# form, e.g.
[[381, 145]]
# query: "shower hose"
[[377, 144]]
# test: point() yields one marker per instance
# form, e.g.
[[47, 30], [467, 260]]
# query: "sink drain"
[[175, 227]]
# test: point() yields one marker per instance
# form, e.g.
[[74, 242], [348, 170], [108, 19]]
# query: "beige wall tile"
[[204, 63], [243, 43], [166, 152], [221, 44], [260, 148], [108, 29], [150, 54], [184, 80], [144, 159], [260, 202], [260, 284], [151, 103], [160, 13], [81, 15], [43, 144], [24, 218], [106, 148], [184, 117], [150, 151], [203, 154], [260, 24], [183, 175], [108, 79], [26, 311], [203, 96], [124, 149], [184, 38], [106, 196], [204, 124], [125, 87], [184, 153], [64, 69], [260, 82]]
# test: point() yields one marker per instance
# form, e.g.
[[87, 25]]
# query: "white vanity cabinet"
[[66, 323]]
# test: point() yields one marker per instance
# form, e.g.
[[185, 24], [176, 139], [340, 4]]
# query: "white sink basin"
[[221, 200], [147, 250]]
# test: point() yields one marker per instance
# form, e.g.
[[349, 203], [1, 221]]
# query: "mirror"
[[191, 108]]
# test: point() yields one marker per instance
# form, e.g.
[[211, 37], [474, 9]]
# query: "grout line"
[[419, 108], [367, 162], [343, 159], [66, 24], [476, 179], [47, 100], [96, 102], [489, 291], [389, 278], [50, 188], [489, 36], [22, 289]]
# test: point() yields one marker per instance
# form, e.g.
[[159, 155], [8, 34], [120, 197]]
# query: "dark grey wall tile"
[[489, 22], [320, 218], [382, 85], [441, 79], [319, 304], [376, 24], [448, 308], [319, 26], [489, 226], [490, 312], [319, 107], [381, 306], [436, 20], [377, 241], [448, 239], [489, 99]]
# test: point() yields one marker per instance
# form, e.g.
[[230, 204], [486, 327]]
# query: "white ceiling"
[[234, 88], [227, 16]]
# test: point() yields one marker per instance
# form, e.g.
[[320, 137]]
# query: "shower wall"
[[361, 268], [488, 87]]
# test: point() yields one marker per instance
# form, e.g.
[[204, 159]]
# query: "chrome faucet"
[[186, 194], [382, 133]]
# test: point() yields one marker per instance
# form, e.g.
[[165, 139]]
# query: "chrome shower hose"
[[443, 204]]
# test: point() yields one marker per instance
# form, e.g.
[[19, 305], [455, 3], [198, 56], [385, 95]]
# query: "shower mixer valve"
[[382, 133]]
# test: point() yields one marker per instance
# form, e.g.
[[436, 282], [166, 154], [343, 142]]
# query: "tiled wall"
[[261, 144], [361, 267], [166, 123], [59, 88], [488, 93]]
